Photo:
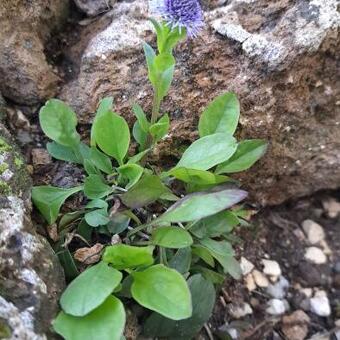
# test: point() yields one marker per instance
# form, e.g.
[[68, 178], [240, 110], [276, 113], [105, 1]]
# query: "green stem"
[[155, 108]]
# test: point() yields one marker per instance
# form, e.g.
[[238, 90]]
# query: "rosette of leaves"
[[168, 256]]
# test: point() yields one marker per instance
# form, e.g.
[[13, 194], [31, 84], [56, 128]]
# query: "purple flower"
[[181, 13]]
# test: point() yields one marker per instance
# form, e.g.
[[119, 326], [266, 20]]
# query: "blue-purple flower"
[[182, 13]]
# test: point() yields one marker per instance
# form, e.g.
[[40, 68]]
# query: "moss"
[[18, 161], [5, 331], [3, 168], [5, 189], [4, 146]]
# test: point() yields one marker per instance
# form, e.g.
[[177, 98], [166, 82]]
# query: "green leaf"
[[105, 105], [59, 122], [223, 252], [204, 254], [208, 151], [112, 134], [181, 260], [105, 322], [97, 203], [215, 225], [68, 218], [162, 290], [202, 204], [147, 190], [49, 200], [141, 117], [160, 129], [94, 187], [171, 237], [248, 153], [138, 157], [200, 177], [131, 172], [165, 66], [79, 300], [203, 300], [101, 161], [67, 262], [211, 275], [150, 56], [119, 222], [63, 153], [122, 256], [85, 230], [221, 115], [139, 135], [97, 217]]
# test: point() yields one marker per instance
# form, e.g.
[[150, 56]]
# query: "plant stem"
[[155, 108]]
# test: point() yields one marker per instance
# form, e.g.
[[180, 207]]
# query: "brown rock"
[[26, 77], [40, 156], [89, 255], [283, 66], [295, 325]]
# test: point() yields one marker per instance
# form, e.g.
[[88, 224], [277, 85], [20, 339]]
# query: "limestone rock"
[[31, 278], [26, 77], [315, 255], [246, 266], [260, 279], [314, 231], [271, 268], [276, 307], [319, 304], [94, 7], [281, 63]]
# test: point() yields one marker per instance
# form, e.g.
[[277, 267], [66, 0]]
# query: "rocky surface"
[[94, 7], [26, 76], [31, 278], [279, 57]]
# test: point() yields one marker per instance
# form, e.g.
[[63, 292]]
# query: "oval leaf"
[[112, 134], [58, 121], [90, 289], [248, 153], [105, 322], [221, 115], [208, 151], [202, 204], [49, 199], [171, 237], [122, 256], [162, 290], [94, 187]]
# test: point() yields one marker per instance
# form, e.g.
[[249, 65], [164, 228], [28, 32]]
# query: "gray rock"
[[279, 289], [239, 310], [319, 304], [267, 70], [31, 278], [277, 307], [94, 7]]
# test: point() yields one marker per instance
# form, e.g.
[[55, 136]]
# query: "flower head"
[[181, 13]]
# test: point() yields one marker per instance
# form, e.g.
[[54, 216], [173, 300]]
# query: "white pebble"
[[314, 231], [238, 311], [246, 266], [319, 304], [315, 255], [332, 207], [250, 282], [260, 279], [276, 307], [279, 289], [271, 268]]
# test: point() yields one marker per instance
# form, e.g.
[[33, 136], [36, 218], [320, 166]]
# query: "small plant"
[[169, 262]]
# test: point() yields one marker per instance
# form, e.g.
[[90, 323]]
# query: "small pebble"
[[271, 268], [279, 289], [40, 156], [315, 255], [332, 207], [319, 304], [239, 310], [337, 267], [295, 325], [246, 266], [314, 231], [276, 307], [307, 292], [250, 282], [325, 247], [260, 279]]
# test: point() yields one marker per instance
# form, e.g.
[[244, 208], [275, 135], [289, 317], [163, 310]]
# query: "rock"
[[337, 267], [40, 156], [295, 325], [89, 255], [325, 248], [246, 266], [332, 207], [260, 280], [315, 255], [271, 268], [276, 307], [307, 292], [239, 310], [31, 278], [319, 304], [314, 231], [94, 7], [275, 66], [250, 282], [279, 289], [311, 275], [26, 77]]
